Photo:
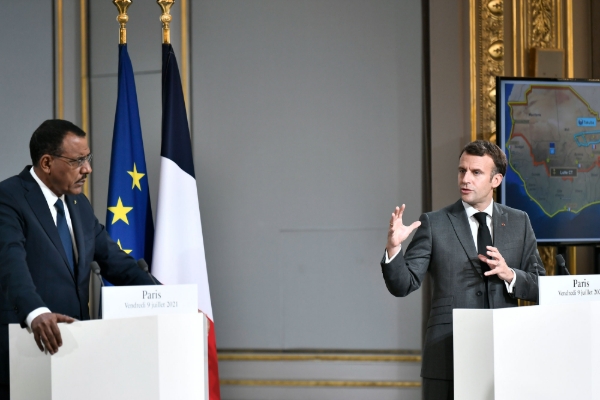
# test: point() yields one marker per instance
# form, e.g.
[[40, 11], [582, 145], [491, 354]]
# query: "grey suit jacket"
[[443, 246]]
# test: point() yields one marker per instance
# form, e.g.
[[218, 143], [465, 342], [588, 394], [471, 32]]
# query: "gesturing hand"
[[497, 265], [398, 232], [46, 332]]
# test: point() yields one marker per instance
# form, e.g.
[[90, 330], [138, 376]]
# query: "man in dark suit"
[[472, 264], [48, 238]]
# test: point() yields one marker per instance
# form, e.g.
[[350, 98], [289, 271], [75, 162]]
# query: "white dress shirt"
[[51, 199], [471, 211]]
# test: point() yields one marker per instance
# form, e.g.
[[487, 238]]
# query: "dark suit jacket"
[[443, 246], [33, 266]]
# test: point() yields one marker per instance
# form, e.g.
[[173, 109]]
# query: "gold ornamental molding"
[[62, 58], [548, 254], [318, 357], [519, 26], [542, 19], [541, 24], [486, 21], [319, 383]]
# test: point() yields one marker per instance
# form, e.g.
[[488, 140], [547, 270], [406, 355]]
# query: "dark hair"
[[481, 148], [48, 138]]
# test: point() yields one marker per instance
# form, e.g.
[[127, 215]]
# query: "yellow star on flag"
[[120, 212], [136, 177], [121, 247]]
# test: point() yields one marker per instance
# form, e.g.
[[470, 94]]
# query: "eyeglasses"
[[79, 161]]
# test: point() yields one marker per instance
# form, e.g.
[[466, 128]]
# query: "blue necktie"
[[63, 232]]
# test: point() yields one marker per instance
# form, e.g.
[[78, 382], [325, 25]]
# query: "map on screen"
[[550, 131]]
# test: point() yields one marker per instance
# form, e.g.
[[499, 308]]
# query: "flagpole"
[[122, 18], [178, 253], [166, 18]]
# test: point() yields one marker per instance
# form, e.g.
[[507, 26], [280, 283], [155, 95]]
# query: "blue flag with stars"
[[129, 216]]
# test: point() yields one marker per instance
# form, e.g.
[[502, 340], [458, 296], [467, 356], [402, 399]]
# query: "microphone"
[[96, 270], [561, 262], [533, 260], [144, 267]]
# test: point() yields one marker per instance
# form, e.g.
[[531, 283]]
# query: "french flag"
[[178, 255]]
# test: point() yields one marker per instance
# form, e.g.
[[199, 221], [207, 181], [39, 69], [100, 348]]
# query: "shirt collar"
[[48, 194], [489, 210]]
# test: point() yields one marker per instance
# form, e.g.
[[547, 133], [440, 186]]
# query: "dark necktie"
[[63, 232], [484, 239]]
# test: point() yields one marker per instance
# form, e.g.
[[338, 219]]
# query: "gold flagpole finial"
[[122, 18], [166, 18]]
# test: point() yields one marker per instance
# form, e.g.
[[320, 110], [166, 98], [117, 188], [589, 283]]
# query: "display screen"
[[550, 132]]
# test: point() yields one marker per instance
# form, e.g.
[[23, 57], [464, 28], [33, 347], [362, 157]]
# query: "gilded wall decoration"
[[532, 23], [492, 41], [541, 23]]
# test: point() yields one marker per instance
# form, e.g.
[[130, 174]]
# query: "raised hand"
[[398, 232]]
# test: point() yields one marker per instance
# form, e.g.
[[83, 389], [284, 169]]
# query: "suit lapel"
[[77, 230], [460, 223], [499, 223], [39, 205]]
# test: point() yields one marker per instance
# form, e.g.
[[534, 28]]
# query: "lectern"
[[152, 358], [540, 352]]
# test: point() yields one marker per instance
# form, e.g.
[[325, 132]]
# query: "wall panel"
[[26, 79], [307, 132]]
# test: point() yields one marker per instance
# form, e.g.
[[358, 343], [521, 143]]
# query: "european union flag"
[[129, 220]]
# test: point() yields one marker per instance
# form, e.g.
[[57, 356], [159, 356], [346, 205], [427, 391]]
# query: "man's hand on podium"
[[46, 332]]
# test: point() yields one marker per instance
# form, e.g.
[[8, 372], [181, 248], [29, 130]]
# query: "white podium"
[[537, 352], [152, 358]]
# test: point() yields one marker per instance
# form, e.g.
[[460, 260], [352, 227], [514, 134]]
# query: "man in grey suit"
[[471, 264]]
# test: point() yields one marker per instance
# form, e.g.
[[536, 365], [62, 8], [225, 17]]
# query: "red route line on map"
[[537, 163]]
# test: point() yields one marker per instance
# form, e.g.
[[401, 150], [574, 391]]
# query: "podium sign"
[[547, 352], [569, 289], [159, 357], [137, 301]]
